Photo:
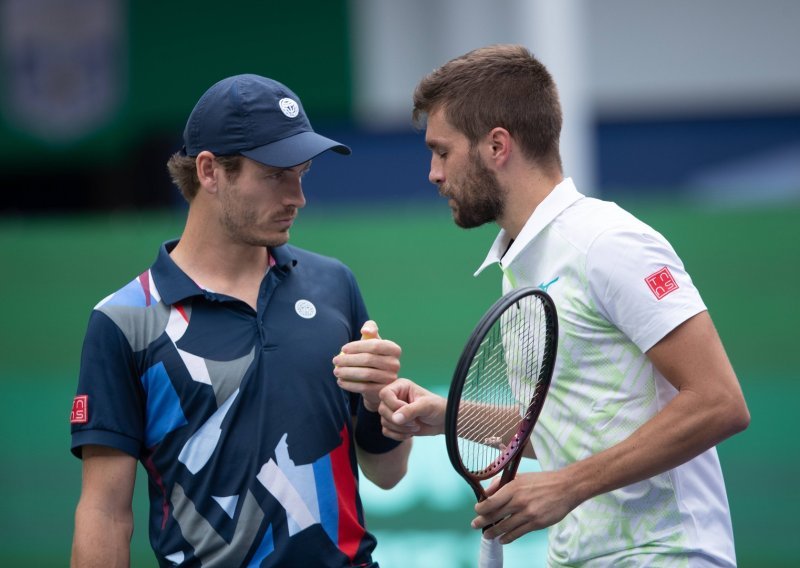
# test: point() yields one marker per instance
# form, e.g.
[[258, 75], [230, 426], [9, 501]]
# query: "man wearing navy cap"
[[215, 367]]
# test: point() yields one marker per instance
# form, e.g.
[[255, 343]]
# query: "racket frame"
[[509, 460]]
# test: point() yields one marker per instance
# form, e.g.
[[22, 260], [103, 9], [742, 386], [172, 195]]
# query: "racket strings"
[[500, 384]]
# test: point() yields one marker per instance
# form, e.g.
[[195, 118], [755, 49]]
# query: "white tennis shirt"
[[619, 288]]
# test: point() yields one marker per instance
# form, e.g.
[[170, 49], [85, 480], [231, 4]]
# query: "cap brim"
[[294, 150]]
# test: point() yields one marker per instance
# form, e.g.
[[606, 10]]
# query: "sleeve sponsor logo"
[[80, 410], [661, 283]]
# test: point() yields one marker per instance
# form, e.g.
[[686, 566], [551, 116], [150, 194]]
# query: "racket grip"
[[491, 553]]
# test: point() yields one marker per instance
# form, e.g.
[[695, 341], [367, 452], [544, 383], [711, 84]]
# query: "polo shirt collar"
[[283, 256], [175, 286], [562, 196]]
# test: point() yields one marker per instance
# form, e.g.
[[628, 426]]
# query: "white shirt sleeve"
[[640, 285]]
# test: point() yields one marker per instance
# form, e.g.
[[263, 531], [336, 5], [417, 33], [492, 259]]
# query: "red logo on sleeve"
[[80, 410], [661, 283]]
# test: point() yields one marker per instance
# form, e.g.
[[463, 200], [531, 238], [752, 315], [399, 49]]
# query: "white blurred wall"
[[396, 43], [611, 58], [694, 56], [635, 55]]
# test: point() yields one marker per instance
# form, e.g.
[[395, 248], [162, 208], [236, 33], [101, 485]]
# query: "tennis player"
[[642, 390], [213, 368]]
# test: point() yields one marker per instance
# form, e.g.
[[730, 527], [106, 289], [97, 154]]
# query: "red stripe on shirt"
[[182, 311], [350, 530], [144, 280]]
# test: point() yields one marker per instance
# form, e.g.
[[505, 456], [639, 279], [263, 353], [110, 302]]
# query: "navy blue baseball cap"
[[255, 117]]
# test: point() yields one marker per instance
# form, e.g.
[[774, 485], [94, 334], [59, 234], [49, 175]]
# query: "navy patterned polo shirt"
[[234, 413]]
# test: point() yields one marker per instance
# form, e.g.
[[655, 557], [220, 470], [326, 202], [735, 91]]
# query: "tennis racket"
[[497, 393]]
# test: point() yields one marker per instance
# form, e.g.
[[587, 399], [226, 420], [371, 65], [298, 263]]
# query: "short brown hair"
[[498, 85], [183, 171]]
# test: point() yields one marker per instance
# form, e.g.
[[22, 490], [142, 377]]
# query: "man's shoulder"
[[135, 311], [598, 214], [308, 259], [590, 219], [140, 292]]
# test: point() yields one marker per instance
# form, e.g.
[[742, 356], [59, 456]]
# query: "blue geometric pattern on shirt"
[[227, 504], [199, 448], [163, 413], [227, 376], [264, 549], [327, 497], [131, 295], [207, 544]]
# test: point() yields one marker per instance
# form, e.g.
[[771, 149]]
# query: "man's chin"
[[463, 224], [270, 242], [458, 219], [469, 223], [277, 242]]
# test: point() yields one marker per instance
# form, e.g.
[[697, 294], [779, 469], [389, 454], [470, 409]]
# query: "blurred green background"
[[415, 269], [698, 140]]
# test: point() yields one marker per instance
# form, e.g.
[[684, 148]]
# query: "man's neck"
[[215, 263], [525, 192]]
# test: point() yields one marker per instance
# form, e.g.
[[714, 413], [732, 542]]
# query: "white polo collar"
[[562, 196]]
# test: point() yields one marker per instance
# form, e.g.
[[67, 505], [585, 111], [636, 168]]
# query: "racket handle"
[[491, 553]]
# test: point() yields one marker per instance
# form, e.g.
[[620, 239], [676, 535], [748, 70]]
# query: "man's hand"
[[530, 502], [368, 365], [409, 410]]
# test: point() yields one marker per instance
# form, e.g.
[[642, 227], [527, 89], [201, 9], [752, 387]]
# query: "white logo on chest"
[[305, 309]]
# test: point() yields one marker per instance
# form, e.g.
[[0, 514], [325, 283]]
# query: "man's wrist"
[[369, 431]]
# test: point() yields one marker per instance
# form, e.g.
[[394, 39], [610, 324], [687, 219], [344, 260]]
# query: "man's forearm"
[[101, 540], [387, 469], [686, 427]]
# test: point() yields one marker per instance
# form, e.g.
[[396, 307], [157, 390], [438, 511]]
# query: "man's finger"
[[370, 330]]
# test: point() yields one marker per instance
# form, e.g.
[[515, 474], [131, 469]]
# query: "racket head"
[[499, 386]]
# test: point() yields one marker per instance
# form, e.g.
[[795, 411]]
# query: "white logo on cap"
[[304, 308], [289, 108]]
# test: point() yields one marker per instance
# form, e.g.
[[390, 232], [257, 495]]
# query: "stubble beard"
[[480, 199], [242, 225]]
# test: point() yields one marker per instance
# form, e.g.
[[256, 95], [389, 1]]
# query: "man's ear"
[[206, 171], [498, 146]]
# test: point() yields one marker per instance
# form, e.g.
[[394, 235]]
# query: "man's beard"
[[478, 196], [242, 224]]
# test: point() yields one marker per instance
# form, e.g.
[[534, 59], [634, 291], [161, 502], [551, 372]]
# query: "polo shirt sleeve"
[[113, 402], [640, 285], [359, 313]]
